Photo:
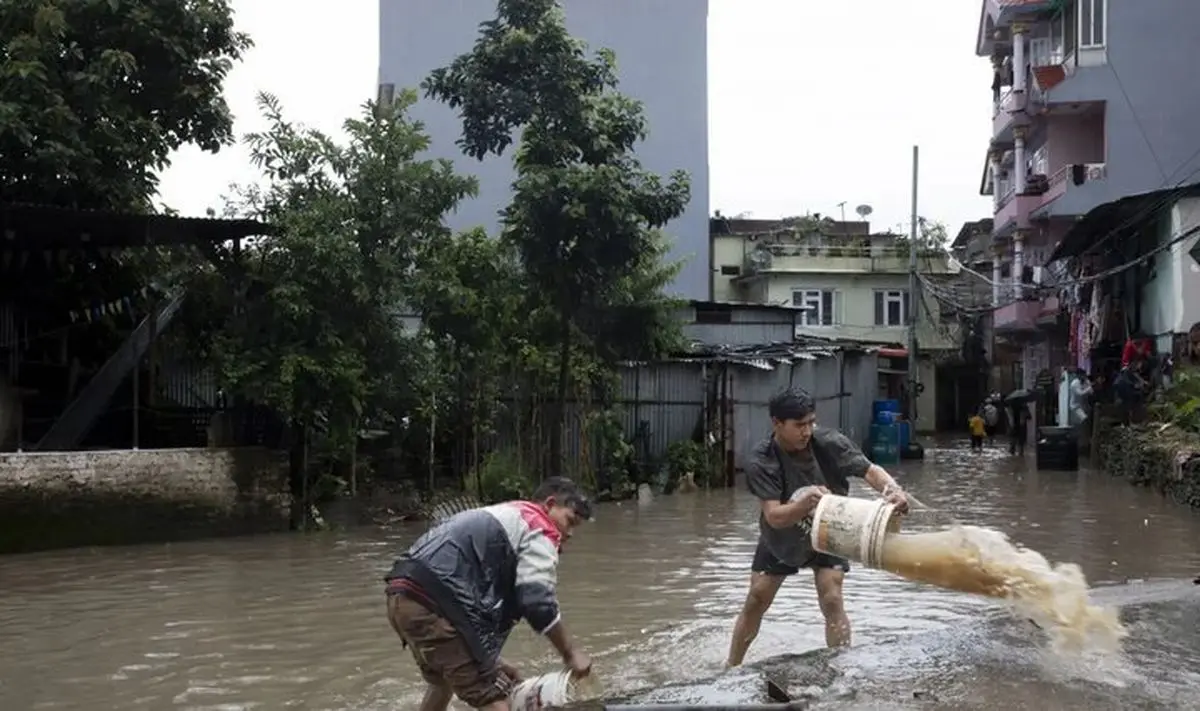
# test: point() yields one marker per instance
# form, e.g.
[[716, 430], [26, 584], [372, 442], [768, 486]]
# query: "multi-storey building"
[[1095, 100], [998, 359], [662, 60], [849, 284]]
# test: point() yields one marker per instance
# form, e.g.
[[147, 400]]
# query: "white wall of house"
[[1171, 300], [867, 307], [863, 306], [728, 263]]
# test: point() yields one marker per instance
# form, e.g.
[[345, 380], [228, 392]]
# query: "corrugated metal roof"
[[49, 226], [745, 305], [765, 356]]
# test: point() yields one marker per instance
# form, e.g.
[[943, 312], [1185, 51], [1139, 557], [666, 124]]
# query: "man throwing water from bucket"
[[789, 473], [459, 590]]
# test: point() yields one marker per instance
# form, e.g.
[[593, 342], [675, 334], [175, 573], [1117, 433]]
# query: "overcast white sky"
[[811, 103]]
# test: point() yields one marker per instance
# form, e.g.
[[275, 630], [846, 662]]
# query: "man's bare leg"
[[758, 600], [829, 596], [437, 698]]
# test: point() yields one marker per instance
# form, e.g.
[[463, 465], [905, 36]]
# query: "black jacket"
[[485, 570]]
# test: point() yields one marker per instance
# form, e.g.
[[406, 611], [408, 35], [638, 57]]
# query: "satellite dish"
[[864, 210], [760, 257]]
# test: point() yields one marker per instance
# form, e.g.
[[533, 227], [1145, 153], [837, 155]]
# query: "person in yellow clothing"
[[978, 429]]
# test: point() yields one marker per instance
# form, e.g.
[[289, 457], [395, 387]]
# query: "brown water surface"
[[296, 621]]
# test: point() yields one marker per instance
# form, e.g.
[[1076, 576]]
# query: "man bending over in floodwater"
[[789, 472], [459, 590]]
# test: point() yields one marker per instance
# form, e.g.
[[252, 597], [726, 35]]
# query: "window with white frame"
[[1092, 22], [1039, 162], [891, 307], [819, 306]]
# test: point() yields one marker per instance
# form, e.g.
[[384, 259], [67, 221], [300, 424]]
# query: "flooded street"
[[297, 621]]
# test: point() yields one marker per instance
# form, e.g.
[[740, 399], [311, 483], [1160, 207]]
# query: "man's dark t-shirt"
[[774, 475]]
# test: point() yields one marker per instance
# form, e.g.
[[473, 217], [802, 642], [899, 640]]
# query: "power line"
[[1079, 281], [1171, 195]]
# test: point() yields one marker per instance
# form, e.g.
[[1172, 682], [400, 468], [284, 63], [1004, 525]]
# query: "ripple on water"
[[278, 622]]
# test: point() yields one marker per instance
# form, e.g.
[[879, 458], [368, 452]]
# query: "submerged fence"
[[720, 398], [723, 401], [665, 401]]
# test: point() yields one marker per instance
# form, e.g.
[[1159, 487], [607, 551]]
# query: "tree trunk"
[[559, 428], [298, 475]]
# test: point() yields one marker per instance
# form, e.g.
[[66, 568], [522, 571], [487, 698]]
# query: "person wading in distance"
[[454, 596], [789, 472]]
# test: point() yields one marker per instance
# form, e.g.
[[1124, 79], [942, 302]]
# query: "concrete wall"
[[1171, 299], [662, 60], [57, 499], [1146, 76], [727, 251], [855, 306], [1072, 139], [749, 325]]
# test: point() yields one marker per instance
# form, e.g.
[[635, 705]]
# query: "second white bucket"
[[554, 689], [853, 528]]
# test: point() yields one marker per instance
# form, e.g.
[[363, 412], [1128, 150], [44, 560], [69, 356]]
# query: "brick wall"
[[54, 499]]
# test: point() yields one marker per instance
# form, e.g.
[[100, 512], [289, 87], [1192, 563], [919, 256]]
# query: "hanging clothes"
[[1095, 326], [1073, 338]]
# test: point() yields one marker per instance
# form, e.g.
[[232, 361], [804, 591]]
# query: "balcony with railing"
[[854, 258], [1015, 108], [1010, 103], [1043, 188], [1065, 180], [1013, 210], [1017, 316], [1034, 303]]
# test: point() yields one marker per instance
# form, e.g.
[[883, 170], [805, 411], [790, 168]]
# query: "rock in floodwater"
[[802, 677], [958, 668]]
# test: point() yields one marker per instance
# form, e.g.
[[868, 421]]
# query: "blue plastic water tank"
[[885, 412], [884, 444]]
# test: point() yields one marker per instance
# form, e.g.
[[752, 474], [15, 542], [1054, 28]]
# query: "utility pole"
[[912, 298]]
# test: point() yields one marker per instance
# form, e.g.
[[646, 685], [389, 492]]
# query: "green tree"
[[469, 291], [585, 218], [933, 234], [96, 94], [314, 326]]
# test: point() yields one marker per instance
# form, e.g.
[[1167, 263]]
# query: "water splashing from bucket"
[[973, 560]]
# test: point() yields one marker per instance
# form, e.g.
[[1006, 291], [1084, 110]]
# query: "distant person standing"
[[991, 419], [1130, 387], [1139, 347], [1079, 398], [978, 431], [1018, 418], [1193, 345]]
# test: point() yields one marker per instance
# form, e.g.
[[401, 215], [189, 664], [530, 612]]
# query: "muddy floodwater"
[[296, 621]]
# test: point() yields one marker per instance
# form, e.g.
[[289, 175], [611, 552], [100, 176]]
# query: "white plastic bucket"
[[853, 528], [557, 689]]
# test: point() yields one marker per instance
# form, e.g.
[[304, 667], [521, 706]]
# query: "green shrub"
[[501, 476], [691, 457], [1179, 402]]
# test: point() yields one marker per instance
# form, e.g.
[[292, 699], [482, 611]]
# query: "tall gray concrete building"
[[662, 58]]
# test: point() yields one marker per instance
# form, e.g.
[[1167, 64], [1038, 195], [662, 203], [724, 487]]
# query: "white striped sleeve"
[[537, 579]]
